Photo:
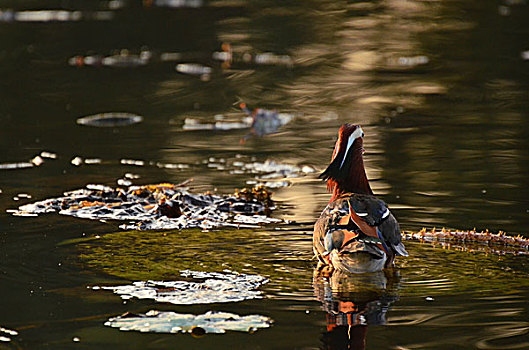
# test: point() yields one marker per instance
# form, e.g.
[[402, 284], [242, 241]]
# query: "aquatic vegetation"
[[484, 241], [110, 119], [172, 322], [160, 206], [215, 287]]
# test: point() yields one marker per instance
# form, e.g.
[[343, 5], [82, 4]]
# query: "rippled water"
[[441, 91]]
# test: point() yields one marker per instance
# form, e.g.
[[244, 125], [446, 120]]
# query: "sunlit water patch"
[[172, 322], [215, 287]]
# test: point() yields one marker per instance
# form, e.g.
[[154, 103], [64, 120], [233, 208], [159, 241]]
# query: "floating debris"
[[407, 62], [126, 60], [82, 61], [266, 59], [204, 72], [221, 123], [9, 332], [223, 56], [122, 60], [49, 155], [78, 161], [500, 243], [170, 56], [265, 121], [131, 176], [263, 171], [35, 161], [161, 206], [173, 3], [19, 165], [273, 170], [124, 182], [134, 162], [115, 4], [269, 184], [171, 165], [10, 15], [204, 288], [269, 58], [110, 119], [92, 161], [171, 322], [228, 56]]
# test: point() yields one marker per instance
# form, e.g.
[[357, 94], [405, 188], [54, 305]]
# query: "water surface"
[[440, 89]]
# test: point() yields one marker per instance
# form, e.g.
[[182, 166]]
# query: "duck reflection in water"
[[352, 303]]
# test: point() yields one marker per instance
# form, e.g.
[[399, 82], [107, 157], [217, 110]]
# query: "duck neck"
[[355, 182]]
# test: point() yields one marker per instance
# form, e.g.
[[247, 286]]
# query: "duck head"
[[346, 173]]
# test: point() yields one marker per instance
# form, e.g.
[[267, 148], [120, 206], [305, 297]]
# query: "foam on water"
[[171, 322], [203, 288]]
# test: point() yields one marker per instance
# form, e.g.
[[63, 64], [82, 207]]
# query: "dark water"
[[440, 88]]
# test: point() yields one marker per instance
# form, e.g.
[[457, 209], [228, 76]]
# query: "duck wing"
[[379, 219]]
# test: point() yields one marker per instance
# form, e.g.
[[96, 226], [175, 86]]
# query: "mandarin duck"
[[356, 232]]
